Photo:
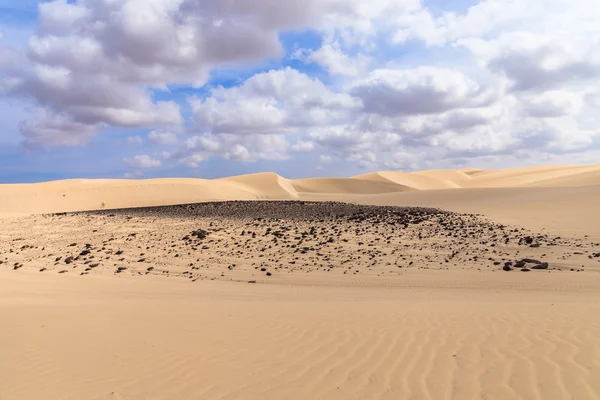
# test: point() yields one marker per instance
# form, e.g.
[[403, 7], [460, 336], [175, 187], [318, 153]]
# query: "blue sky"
[[313, 88]]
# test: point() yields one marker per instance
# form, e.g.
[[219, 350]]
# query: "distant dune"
[[81, 194]]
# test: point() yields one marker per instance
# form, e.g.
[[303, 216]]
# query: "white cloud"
[[274, 102], [142, 161], [246, 148], [48, 130], [423, 90], [332, 57], [406, 87], [135, 140], [163, 138], [303, 147]]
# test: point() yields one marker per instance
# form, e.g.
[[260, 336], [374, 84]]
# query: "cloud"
[[552, 104], [391, 83], [143, 161], [423, 90], [332, 57], [163, 138], [274, 102], [303, 147], [48, 130], [135, 140], [244, 148]]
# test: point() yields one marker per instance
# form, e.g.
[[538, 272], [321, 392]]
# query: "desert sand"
[[486, 287]]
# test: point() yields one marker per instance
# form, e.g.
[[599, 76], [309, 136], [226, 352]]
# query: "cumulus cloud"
[[233, 147], [423, 90], [303, 147], [273, 102], [163, 138], [135, 140], [404, 87], [48, 130], [332, 57], [142, 161]]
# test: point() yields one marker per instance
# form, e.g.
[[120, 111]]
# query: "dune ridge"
[[90, 194]]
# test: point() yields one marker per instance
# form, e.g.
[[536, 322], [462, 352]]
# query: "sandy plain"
[[302, 300]]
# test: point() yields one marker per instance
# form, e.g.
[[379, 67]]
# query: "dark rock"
[[64, 271], [200, 234], [251, 281], [69, 260], [150, 269], [507, 268], [525, 270], [84, 253], [540, 266]]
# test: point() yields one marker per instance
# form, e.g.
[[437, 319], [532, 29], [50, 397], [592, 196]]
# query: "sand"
[[387, 309]]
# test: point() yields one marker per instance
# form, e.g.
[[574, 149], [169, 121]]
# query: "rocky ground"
[[287, 240]]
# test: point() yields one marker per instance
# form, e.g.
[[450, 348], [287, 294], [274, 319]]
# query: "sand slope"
[[74, 195], [152, 338]]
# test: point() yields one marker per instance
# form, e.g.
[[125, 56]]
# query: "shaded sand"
[[247, 302]]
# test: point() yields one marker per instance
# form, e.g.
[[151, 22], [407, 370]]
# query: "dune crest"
[[88, 194]]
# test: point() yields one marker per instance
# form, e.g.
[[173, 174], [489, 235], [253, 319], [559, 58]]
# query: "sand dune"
[[408, 180], [369, 310], [75, 195], [266, 185], [345, 186]]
